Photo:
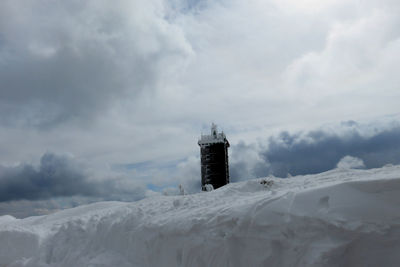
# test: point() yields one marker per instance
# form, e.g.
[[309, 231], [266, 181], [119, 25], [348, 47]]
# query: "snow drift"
[[337, 218]]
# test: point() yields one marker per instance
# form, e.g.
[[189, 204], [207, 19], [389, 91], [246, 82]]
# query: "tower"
[[214, 159]]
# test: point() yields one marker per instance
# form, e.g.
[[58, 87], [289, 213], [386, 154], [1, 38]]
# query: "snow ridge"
[[337, 218]]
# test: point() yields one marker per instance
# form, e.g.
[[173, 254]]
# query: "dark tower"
[[214, 159]]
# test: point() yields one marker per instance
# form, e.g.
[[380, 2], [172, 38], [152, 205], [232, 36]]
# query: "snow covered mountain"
[[337, 218]]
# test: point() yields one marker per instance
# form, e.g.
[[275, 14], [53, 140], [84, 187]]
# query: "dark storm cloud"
[[319, 151], [59, 176], [56, 176], [71, 59]]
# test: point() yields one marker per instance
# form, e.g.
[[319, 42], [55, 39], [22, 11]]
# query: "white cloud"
[[349, 162]]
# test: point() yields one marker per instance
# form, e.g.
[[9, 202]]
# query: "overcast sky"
[[105, 100]]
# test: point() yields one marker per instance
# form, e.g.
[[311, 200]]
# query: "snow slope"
[[337, 218]]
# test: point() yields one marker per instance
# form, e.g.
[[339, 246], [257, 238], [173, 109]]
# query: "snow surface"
[[338, 218]]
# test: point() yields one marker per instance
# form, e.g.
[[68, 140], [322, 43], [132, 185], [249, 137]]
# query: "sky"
[[106, 100]]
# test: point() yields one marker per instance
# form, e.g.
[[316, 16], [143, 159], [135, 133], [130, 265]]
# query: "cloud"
[[139, 72], [319, 150], [245, 162], [56, 176], [349, 162], [61, 176], [72, 60]]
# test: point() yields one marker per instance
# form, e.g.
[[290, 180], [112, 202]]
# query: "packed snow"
[[341, 217]]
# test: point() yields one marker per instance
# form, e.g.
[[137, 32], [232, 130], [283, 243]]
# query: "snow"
[[213, 137], [342, 217]]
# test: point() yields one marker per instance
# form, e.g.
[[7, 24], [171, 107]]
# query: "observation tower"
[[214, 159]]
